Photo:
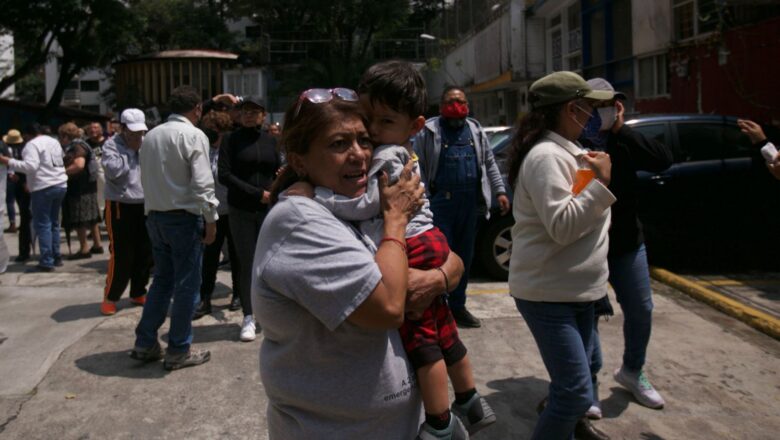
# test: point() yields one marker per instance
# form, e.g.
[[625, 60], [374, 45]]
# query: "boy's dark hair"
[[396, 84], [449, 88], [183, 99]]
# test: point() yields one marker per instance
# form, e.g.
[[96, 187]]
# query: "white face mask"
[[608, 116]]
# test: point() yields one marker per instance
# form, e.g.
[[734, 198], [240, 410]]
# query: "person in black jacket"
[[248, 160], [629, 275]]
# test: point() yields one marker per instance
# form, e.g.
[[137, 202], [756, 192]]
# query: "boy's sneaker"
[[594, 412], [151, 354], [640, 387], [454, 431], [107, 307], [476, 413], [187, 359], [248, 329], [138, 301]]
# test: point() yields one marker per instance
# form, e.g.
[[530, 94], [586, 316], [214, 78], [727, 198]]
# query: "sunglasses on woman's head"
[[318, 96]]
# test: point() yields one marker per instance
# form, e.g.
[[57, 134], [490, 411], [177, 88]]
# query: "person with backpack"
[[80, 208]]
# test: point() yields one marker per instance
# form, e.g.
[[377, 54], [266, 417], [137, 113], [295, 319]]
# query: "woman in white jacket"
[[558, 267]]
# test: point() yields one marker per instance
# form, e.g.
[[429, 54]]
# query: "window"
[[701, 141], [656, 132], [90, 86], [736, 143], [694, 17], [652, 76], [564, 34]]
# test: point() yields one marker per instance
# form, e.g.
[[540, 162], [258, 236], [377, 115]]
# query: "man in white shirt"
[[42, 162], [179, 199]]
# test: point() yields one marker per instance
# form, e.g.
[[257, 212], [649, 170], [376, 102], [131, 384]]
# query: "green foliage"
[[179, 24]]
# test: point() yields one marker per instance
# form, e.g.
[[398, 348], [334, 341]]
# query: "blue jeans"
[[562, 332], [455, 214], [45, 205], [630, 278], [178, 252]]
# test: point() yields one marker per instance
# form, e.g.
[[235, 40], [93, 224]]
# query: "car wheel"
[[495, 246]]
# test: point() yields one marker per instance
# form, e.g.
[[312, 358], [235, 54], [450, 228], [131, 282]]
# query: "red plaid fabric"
[[434, 336], [428, 250]]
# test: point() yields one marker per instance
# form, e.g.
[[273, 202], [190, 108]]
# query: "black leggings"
[[245, 227]]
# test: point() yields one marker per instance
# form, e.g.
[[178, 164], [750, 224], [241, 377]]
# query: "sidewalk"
[[718, 376]]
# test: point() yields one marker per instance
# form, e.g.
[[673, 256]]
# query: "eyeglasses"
[[318, 96]]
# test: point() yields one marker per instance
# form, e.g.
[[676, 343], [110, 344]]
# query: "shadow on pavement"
[[650, 436], [76, 312], [100, 266], [617, 402], [213, 333], [119, 364]]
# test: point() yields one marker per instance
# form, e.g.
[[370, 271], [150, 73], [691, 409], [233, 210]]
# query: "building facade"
[[670, 56]]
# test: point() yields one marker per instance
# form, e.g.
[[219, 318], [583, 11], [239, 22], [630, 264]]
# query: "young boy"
[[393, 96]]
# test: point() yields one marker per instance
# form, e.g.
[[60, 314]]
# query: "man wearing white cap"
[[131, 251]]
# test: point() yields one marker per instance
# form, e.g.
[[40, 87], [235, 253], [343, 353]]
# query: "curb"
[[757, 319]]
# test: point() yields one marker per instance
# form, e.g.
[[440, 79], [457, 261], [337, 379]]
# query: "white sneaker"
[[640, 387], [248, 329], [594, 412]]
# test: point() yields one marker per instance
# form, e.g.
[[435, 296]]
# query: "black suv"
[[716, 207]]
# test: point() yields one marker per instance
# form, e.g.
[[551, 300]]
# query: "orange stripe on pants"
[[111, 248]]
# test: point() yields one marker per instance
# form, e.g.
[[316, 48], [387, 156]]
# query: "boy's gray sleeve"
[[390, 159], [358, 209]]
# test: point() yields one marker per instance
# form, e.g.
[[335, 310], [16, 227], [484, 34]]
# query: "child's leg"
[[461, 375], [432, 380]]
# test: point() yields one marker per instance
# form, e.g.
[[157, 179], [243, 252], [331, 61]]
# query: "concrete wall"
[[651, 23]]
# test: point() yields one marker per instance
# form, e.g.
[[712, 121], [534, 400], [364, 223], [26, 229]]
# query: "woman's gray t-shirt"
[[325, 377]]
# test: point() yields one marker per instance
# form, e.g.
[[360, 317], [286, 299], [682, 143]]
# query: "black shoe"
[[203, 309], [584, 430], [11, 229], [80, 256], [235, 304], [151, 354], [58, 262], [39, 268], [21, 258], [465, 319], [96, 250], [188, 359]]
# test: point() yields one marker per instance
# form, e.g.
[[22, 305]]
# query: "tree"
[[339, 34], [96, 33], [33, 24], [180, 24]]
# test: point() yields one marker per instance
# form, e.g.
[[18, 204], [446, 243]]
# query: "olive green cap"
[[563, 86]]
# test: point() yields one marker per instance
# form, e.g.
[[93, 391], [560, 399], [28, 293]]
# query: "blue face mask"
[[592, 137]]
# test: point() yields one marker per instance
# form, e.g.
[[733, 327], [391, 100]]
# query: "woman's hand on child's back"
[[601, 164]]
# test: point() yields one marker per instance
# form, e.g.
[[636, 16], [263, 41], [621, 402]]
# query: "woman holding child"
[[329, 300]]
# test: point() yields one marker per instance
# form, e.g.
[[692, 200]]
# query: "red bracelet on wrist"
[[394, 240]]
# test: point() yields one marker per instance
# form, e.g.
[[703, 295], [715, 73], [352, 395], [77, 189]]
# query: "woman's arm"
[[426, 285], [384, 307], [76, 166]]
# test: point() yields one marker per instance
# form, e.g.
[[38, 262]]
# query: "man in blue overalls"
[[460, 173]]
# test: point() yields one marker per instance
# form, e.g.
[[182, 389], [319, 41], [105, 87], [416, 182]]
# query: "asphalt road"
[[65, 374]]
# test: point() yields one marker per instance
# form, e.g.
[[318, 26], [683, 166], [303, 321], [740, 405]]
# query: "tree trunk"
[[68, 70], [32, 62]]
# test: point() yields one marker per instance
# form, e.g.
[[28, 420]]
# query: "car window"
[[498, 137], [735, 143], [701, 141], [656, 132]]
